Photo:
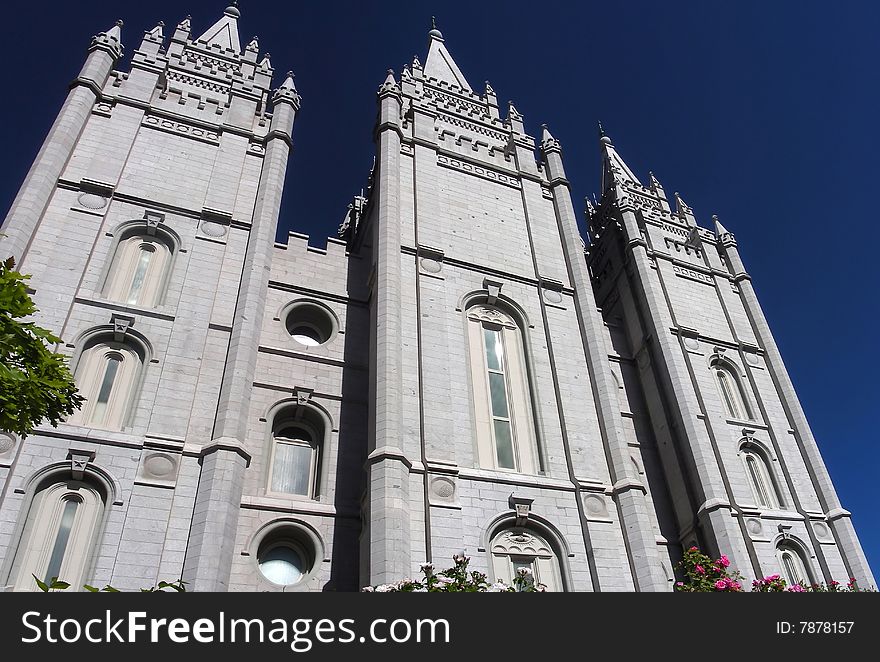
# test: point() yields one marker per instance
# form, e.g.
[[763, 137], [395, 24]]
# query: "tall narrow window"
[[107, 374], [501, 425], [795, 569], [502, 396], [139, 269], [760, 477], [518, 549], [294, 462], [59, 534], [736, 403], [298, 436]]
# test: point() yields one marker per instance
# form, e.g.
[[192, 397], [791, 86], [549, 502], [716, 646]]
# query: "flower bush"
[[458, 579], [703, 575]]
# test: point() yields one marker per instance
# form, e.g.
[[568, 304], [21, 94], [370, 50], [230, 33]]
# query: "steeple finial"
[[435, 33], [233, 10], [603, 137]]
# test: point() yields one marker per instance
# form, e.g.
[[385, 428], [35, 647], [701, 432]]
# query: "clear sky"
[[764, 113]]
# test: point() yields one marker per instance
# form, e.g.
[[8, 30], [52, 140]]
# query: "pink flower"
[[771, 578], [721, 584], [724, 561], [692, 549], [699, 569], [796, 588]]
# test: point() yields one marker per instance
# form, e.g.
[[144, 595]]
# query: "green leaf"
[[43, 586]]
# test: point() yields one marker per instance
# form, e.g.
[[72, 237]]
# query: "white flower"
[[368, 589], [428, 568], [524, 572], [498, 587], [460, 558], [443, 581], [385, 588]]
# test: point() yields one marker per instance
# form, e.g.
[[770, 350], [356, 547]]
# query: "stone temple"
[[457, 371]]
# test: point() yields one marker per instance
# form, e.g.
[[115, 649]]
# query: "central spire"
[[224, 33], [440, 64]]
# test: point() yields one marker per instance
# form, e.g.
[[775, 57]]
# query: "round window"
[[306, 335], [310, 324], [282, 564]]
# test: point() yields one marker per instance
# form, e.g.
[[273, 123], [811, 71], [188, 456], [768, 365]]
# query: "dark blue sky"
[[764, 113]]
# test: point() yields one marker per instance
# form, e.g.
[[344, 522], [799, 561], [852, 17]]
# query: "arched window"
[[760, 476], [59, 535], [736, 404], [517, 548], [295, 459], [107, 374], [502, 397], [139, 270], [794, 566]]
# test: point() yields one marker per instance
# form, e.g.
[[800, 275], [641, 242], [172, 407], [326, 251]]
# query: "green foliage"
[[35, 382], [54, 585], [703, 575], [457, 579]]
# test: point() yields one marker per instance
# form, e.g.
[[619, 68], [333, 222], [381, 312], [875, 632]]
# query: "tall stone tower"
[[743, 469], [453, 373]]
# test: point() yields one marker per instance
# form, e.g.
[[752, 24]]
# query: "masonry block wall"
[[361, 355]]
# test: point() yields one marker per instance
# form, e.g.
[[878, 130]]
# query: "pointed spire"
[[266, 63], [655, 183], [111, 40], [614, 169], [440, 64], [682, 209], [547, 139], [404, 73], [512, 112], [116, 31], [489, 89], [181, 32], [156, 33], [591, 209], [720, 230], [287, 92], [224, 33], [254, 44], [288, 82], [390, 84]]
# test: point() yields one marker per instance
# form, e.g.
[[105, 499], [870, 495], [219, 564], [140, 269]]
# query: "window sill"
[[158, 312], [746, 424]]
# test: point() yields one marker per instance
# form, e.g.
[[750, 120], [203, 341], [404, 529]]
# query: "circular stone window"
[[284, 556], [310, 324]]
